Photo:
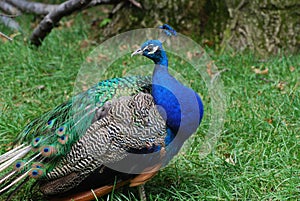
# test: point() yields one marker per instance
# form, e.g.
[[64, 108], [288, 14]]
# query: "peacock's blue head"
[[153, 50]]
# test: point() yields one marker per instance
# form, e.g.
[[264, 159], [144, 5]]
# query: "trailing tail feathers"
[[11, 178]]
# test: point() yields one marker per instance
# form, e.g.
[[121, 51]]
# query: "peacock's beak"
[[137, 52]]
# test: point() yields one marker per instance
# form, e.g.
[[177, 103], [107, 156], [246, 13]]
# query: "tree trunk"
[[184, 15], [264, 26]]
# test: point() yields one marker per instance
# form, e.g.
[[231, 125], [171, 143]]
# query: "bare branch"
[[98, 2], [46, 25], [64, 9], [8, 8], [9, 22], [118, 7], [11, 16], [5, 36], [135, 3], [33, 7], [44, 9]]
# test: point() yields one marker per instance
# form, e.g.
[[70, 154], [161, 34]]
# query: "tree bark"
[[185, 15], [8, 8], [263, 26], [43, 8], [9, 22], [33, 7]]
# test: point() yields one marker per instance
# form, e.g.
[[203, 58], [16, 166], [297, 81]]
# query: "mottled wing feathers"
[[131, 122]]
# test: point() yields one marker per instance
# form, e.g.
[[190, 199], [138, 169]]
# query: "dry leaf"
[[123, 47], [189, 55], [89, 60], [135, 47], [281, 86], [260, 72], [230, 160], [69, 23], [14, 35], [207, 42], [105, 10], [209, 70], [124, 72], [124, 63], [270, 121], [199, 54], [101, 57], [84, 44], [40, 87], [85, 88], [3, 39], [292, 68], [8, 146]]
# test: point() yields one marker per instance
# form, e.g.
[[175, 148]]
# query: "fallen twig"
[[5, 36], [101, 2], [135, 3]]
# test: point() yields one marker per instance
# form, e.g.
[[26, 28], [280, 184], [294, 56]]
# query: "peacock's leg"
[[142, 192]]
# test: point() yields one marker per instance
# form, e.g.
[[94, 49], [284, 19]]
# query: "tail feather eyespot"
[[61, 131], [48, 151], [37, 165], [63, 139], [19, 165], [36, 142], [36, 173], [50, 123]]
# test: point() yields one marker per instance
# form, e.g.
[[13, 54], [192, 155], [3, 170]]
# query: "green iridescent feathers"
[[46, 140]]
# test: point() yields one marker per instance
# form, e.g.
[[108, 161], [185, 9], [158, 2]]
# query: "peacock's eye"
[[150, 48]]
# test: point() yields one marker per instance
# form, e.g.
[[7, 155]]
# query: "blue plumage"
[[180, 106]]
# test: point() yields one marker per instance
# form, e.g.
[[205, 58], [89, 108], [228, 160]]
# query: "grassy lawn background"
[[257, 157]]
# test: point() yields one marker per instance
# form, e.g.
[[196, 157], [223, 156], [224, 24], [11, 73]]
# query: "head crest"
[[167, 31]]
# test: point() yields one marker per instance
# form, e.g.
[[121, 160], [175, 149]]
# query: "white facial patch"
[[145, 48], [152, 49]]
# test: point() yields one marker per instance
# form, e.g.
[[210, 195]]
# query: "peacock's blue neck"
[[180, 106], [162, 60]]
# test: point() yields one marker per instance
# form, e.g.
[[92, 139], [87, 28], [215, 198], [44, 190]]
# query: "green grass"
[[257, 156]]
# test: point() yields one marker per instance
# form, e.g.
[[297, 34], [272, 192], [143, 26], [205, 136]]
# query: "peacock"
[[137, 123]]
